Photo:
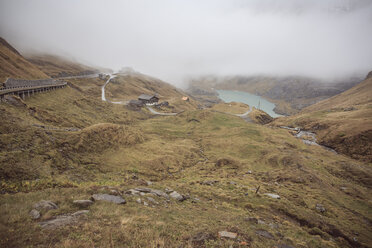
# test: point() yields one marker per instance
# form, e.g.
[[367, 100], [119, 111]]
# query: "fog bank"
[[174, 39]]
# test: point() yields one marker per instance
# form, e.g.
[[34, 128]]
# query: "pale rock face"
[[225, 234], [177, 196], [108, 198]]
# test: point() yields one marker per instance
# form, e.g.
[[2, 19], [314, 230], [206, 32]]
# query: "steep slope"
[[13, 64], [343, 122], [55, 66]]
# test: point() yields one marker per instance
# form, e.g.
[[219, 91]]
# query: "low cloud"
[[175, 39]]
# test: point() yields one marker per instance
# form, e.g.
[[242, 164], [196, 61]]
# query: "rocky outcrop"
[[45, 205], [63, 220]]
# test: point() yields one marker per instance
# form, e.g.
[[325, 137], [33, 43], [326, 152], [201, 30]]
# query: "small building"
[[148, 99]]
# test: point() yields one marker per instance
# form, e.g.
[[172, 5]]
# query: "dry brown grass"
[[232, 107], [55, 66], [102, 136], [342, 122], [13, 64]]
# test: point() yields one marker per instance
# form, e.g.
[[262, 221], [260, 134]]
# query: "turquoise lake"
[[247, 98]]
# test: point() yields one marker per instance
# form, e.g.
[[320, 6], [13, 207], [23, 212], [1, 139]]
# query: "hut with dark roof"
[[148, 99]]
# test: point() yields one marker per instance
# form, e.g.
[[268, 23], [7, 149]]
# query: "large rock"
[[108, 198], [177, 196], [264, 234], [63, 220], [34, 214], [83, 203], [225, 234], [45, 205]]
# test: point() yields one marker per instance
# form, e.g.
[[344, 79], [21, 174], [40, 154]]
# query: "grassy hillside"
[[127, 87], [55, 66], [342, 122], [13, 64], [68, 144]]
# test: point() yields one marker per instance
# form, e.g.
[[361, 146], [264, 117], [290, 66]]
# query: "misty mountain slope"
[[55, 66], [130, 86], [291, 94], [343, 122], [13, 64]]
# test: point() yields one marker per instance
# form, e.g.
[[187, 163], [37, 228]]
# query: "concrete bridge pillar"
[[23, 95]]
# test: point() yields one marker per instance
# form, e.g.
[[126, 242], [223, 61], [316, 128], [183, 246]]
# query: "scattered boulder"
[[45, 205], [274, 196], [108, 198], [159, 193], [320, 208], [144, 190], [168, 191], [83, 203], [34, 214], [63, 220], [264, 234], [177, 196], [226, 234], [152, 200]]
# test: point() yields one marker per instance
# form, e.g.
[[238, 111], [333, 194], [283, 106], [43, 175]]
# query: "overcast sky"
[[171, 39]]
